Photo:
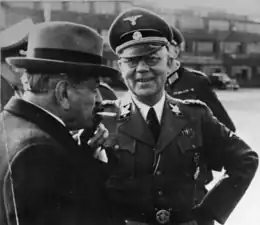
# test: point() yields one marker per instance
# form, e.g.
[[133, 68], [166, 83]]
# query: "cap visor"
[[139, 50]]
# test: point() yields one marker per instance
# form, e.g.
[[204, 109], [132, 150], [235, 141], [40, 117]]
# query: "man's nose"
[[142, 66]]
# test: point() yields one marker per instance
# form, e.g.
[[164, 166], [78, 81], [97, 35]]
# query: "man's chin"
[[145, 93]]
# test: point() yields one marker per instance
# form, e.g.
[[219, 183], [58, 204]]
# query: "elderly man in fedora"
[[163, 145], [13, 42], [45, 177]]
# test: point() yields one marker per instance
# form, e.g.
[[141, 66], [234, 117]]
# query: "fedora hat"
[[63, 47]]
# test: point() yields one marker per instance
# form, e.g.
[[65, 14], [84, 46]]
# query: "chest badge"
[[175, 109]]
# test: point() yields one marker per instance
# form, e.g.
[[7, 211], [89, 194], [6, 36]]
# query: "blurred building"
[[215, 41]]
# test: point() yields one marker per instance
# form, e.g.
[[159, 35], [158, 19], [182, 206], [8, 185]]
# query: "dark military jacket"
[[169, 174], [191, 84], [45, 177]]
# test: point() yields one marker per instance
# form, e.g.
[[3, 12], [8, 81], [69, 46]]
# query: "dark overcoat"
[[6, 92], [171, 174], [45, 178]]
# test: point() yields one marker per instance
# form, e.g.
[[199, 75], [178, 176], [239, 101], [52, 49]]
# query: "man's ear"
[[177, 51], [61, 94], [170, 61], [119, 63]]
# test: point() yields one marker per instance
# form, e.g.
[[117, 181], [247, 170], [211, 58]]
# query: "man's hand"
[[99, 137]]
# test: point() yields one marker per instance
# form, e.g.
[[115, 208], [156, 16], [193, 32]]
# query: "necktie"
[[153, 123]]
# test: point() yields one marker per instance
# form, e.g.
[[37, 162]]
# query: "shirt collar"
[[158, 107], [48, 112]]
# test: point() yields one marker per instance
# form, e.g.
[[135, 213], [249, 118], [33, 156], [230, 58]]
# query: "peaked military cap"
[[137, 31], [178, 38], [14, 38]]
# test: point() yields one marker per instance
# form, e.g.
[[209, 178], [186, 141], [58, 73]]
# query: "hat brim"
[[55, 66], [139, 50]]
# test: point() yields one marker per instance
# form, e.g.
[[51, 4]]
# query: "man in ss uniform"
[[163, 145], [13, 40], [187, 83], [45, 177]]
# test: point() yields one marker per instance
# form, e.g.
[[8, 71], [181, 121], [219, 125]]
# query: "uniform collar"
[[158, 107]]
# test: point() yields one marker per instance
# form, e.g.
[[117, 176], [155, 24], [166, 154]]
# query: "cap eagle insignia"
[[132, 19]]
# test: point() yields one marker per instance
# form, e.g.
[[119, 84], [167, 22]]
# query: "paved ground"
[[244, 107]]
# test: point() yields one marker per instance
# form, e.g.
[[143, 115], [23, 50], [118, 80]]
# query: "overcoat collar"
[[42, 119]]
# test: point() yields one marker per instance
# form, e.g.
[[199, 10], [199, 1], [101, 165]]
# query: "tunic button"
[[116, 146], [160, 193], [193, 146], [158, 173]]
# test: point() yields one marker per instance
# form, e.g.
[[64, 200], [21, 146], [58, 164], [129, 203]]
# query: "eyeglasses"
[[149, 60]]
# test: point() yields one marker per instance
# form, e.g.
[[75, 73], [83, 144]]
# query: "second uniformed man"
[[164, 145], [185, 83]]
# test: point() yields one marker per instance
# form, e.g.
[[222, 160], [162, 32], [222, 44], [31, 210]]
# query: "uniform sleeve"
[[38, 189], [224, 149], [207, 95]]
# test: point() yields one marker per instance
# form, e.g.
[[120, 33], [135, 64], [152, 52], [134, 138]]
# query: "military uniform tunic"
[[170, 174]]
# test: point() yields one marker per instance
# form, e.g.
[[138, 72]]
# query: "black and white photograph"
[[129, 112]]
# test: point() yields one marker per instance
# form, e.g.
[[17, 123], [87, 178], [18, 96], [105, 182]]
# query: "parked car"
[[223, 81]]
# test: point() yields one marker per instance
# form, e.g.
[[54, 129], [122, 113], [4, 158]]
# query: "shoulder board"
[[197, 72], [194, 102]]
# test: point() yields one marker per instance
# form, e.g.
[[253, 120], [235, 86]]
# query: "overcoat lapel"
[[172, 124]]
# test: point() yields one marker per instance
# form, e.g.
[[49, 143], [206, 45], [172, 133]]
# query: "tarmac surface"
[[244, 108]]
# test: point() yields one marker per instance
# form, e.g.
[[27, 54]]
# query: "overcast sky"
[[234, 6]]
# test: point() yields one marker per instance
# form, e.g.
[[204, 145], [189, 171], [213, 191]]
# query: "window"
[[218, 25], [253, 48], [190, 22], [238, 26], [22, 4], [105, 7], [37, 5], [232, 47], [205, 46], [2, 18], [55, 5], [253, 28], [258, 70], [79, 7], [189, 46]]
